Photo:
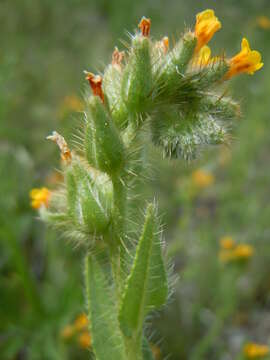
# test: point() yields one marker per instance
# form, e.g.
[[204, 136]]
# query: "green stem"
[[118, 228], [86, 281], [134, 348]]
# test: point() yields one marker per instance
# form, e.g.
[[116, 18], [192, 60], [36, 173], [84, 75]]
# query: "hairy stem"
[[118, 229]]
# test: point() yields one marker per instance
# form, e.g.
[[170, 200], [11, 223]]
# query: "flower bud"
[[220, 107], [137, 76], [112, 81], [175, 63], [103, 145], [88, 206]]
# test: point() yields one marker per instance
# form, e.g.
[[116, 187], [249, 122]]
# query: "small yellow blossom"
[[206, 26], [255, 351], [85, 340], [227, 242], [67, 332], [243, 251], [81, 322], [231, 252], [203, 57], [263, 22], [246, 61], [40, 197], [202, 179]]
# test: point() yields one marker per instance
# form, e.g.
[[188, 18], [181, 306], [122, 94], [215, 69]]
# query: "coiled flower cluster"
[[172, 96]]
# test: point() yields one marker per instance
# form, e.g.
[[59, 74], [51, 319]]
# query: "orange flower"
[[144, 26], [40, 197], [206, 26], [263, 22], [243, 251], [255, 351], [246, 61], [202, 179], [95, 82], [235, 252], [67, 332], [85, 340], [81, 322], [227, 242], [203, 57]]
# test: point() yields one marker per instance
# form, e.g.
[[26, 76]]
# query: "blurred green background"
[[218, 307]]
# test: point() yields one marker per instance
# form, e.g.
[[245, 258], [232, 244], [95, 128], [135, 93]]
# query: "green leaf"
[[146, 287], [105, 332]]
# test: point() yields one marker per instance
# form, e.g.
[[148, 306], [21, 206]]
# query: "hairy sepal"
[[184, 135], [112, 82], [88, 205], [171, 71], [137, 77], [103, 145]]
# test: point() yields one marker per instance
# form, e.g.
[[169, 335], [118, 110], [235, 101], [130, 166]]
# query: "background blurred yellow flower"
[[39, 197], [243, 251], [255, 351], [85, 340], [227, 242], [81, 322], [231, 252], [67, 332], [263, 22], [202, 179]]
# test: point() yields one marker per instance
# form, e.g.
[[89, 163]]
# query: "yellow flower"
[[202, 179], [263, 22], [254, 351], [206, 26], [227, 242], [67, 332], [231, 252], [203, 57], [84, 340], [81, 322], [243, 251], [40, 197], [246, 61]]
